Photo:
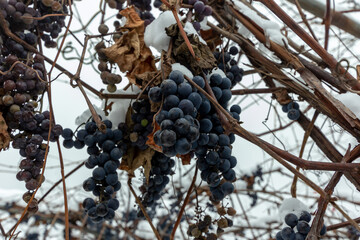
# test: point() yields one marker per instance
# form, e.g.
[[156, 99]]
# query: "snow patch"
[[271, 29], [292, 205], [183, 69], [218, 71], [203, 24], [155, 35], [189, 29], [118, 112]]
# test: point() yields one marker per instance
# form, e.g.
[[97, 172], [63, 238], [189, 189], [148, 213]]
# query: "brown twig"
[[186, 200], [143, 210]]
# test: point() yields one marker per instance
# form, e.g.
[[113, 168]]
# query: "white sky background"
[[69, 103]]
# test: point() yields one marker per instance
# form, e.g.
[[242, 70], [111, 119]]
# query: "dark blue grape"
[[233, 50], [278, 236], [303, 227], [108, 145], [68, 143], [182, 146], [79, 144], [288, 233], [196, 99], [112, 179], [81, 134], [226, 83], [291, 220], [101, 209], [225, 165], [293, 114], [89, 185], [175, 113], [212, 158], [305, 216], [116, 153], [177, 76], [229, 175], [205, 125], [292, 105], [168, 87], [110, 167], [182, 126], [67, 134], [199, 81], [215, 79], [98, 173], [155, 94], [89, 203], [205, 107], [235, 108], [217, 194], [90, 140], [227, 188], [161, 116], [323, 230], [184, 90], [299, 236], [217, 92], [186, 106]]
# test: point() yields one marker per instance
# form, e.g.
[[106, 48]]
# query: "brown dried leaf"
[[185, 159], [130, 52], [4, 134], [211, 37], [150, 142], [181, 54]]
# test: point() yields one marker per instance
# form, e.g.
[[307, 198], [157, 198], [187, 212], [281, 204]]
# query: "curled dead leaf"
[[4, 134], [130, 52]]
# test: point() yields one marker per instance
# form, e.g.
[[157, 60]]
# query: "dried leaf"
[[4, 134], [185, 159], [211, 38], [130, 52], [181, 54], [150, 142]]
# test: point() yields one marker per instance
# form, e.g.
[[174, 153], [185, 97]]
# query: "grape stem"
[[186, 201], [143, 210]]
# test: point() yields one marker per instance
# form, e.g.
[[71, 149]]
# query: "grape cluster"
[[229, 65], [201, 228], [31, 142], [214, 146], [142, 118], [161, 168], [108, 78], [146, 16], [201, 10], [51, 27], [292, 110], [105, 150], [179, 128], [297, 227], [19, 15]]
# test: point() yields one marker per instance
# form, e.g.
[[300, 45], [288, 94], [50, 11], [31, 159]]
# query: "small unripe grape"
[[111, 88], [103, 29]]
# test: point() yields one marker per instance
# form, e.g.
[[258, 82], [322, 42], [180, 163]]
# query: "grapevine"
[[188, 119]]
